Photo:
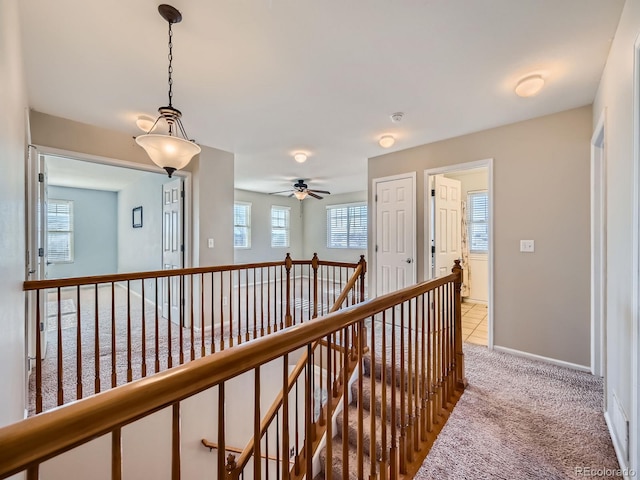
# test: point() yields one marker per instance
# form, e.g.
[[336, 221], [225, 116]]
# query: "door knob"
[[409, 260]]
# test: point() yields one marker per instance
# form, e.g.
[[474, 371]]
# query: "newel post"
[[314, 264], [362, 262], [460, 378], [287, 265]]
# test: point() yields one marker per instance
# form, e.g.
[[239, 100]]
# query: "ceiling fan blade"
[[319, 191], [311, 194], [283, 191], [290, 195]]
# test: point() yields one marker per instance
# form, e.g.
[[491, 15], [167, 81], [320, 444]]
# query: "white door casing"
[[447, 223], [172, 247], [395, 233]]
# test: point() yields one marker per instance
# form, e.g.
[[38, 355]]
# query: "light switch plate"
[[527, 246], [211, 243]]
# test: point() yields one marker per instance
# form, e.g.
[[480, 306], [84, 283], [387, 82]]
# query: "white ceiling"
[[266, 78], [67, 172]]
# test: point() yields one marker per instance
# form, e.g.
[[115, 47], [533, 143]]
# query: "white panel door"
[[172, 246], [395, 235], [447, 224]]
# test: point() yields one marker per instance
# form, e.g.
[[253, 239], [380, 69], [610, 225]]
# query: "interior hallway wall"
[[541, 192]]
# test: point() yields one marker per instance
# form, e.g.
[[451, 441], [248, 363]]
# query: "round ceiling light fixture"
[[145, 123], [529, 85], [386, 141], [300, 157]]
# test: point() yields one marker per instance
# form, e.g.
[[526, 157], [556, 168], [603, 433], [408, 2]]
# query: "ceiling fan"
[[301, 191]]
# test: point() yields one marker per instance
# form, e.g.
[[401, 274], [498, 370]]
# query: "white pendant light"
[[173, 151]]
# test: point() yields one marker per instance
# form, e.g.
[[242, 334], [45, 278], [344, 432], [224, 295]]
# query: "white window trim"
[[287, 228], [345, 205], [71, 231], [469, 223], [248, 226]]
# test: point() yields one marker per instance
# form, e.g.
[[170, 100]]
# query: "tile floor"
[[474, 323]]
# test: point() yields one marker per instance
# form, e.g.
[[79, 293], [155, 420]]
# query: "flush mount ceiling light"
[[145, 123], [386, 141], [300, 157], [529, 85], [301, 195], [174, 150]]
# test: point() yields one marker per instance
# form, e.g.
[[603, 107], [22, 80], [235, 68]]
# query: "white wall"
[[616, 95], [12, 214], [261, 250], [140, 249], [315, 228], [95, 232], [478, 262]]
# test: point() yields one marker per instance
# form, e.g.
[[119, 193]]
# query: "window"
[[478, 221], [279, 226], [242, 225], [60, 231], [347, 226]]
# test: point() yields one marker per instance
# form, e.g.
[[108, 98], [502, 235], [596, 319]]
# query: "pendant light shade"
[[168, 151], [174, 150]]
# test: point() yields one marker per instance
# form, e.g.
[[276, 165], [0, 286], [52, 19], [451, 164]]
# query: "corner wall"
[[13, 141], [541, 192], [616, 95]]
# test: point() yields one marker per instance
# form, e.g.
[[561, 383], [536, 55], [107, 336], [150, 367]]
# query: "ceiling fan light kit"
[[301, 191], [175, 150]]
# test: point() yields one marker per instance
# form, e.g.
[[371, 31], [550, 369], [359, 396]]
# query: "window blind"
[[60, 231], [347, 226]]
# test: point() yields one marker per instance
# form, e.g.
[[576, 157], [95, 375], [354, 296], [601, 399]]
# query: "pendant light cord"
[[170, 65]]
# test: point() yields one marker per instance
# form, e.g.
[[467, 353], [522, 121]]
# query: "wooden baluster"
[[78, 346], [308, 423], [169, 336], [222, 472], [329, 434], [213, 325], [262, 329], [157, 327], [246, 304], [372, 401], [424, 388], [334, 377], [33, 472], [297, 433], [181, 319], [345, 411], [322, 417], [255, 306], [429, 362], [363, 272], [257, 456], [384, 462], [266, 451], [230, 313], [293, 295], [285, 417], [39, 331], [314, 265], [144, 333], [417, 387], [409, 387], [450, 345], [175, 442], [460, 378], [129, 369], [403, 386], [116, 454], [221, 304], [440, 356], [393, 453], [192, 349], [269, 305], [203, 348], [59, 339], [96, 342], [360, 443]]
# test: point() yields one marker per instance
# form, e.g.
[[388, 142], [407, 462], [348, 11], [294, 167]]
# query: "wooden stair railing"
[[207, 309], [236, 467], [415, 350]]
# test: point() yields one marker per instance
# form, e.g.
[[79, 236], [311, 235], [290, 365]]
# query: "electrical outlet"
[[292, 452], [527, 246]]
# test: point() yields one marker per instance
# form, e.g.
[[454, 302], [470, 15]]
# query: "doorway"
[[458, 225]]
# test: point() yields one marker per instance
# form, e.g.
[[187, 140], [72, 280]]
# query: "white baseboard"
[[533, 356], [624, 469]]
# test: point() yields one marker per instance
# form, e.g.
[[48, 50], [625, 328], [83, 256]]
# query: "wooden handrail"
[[293, 376], [64, 428], [122, 277]]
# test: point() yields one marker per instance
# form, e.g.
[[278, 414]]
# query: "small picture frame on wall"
[[137, 217]]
